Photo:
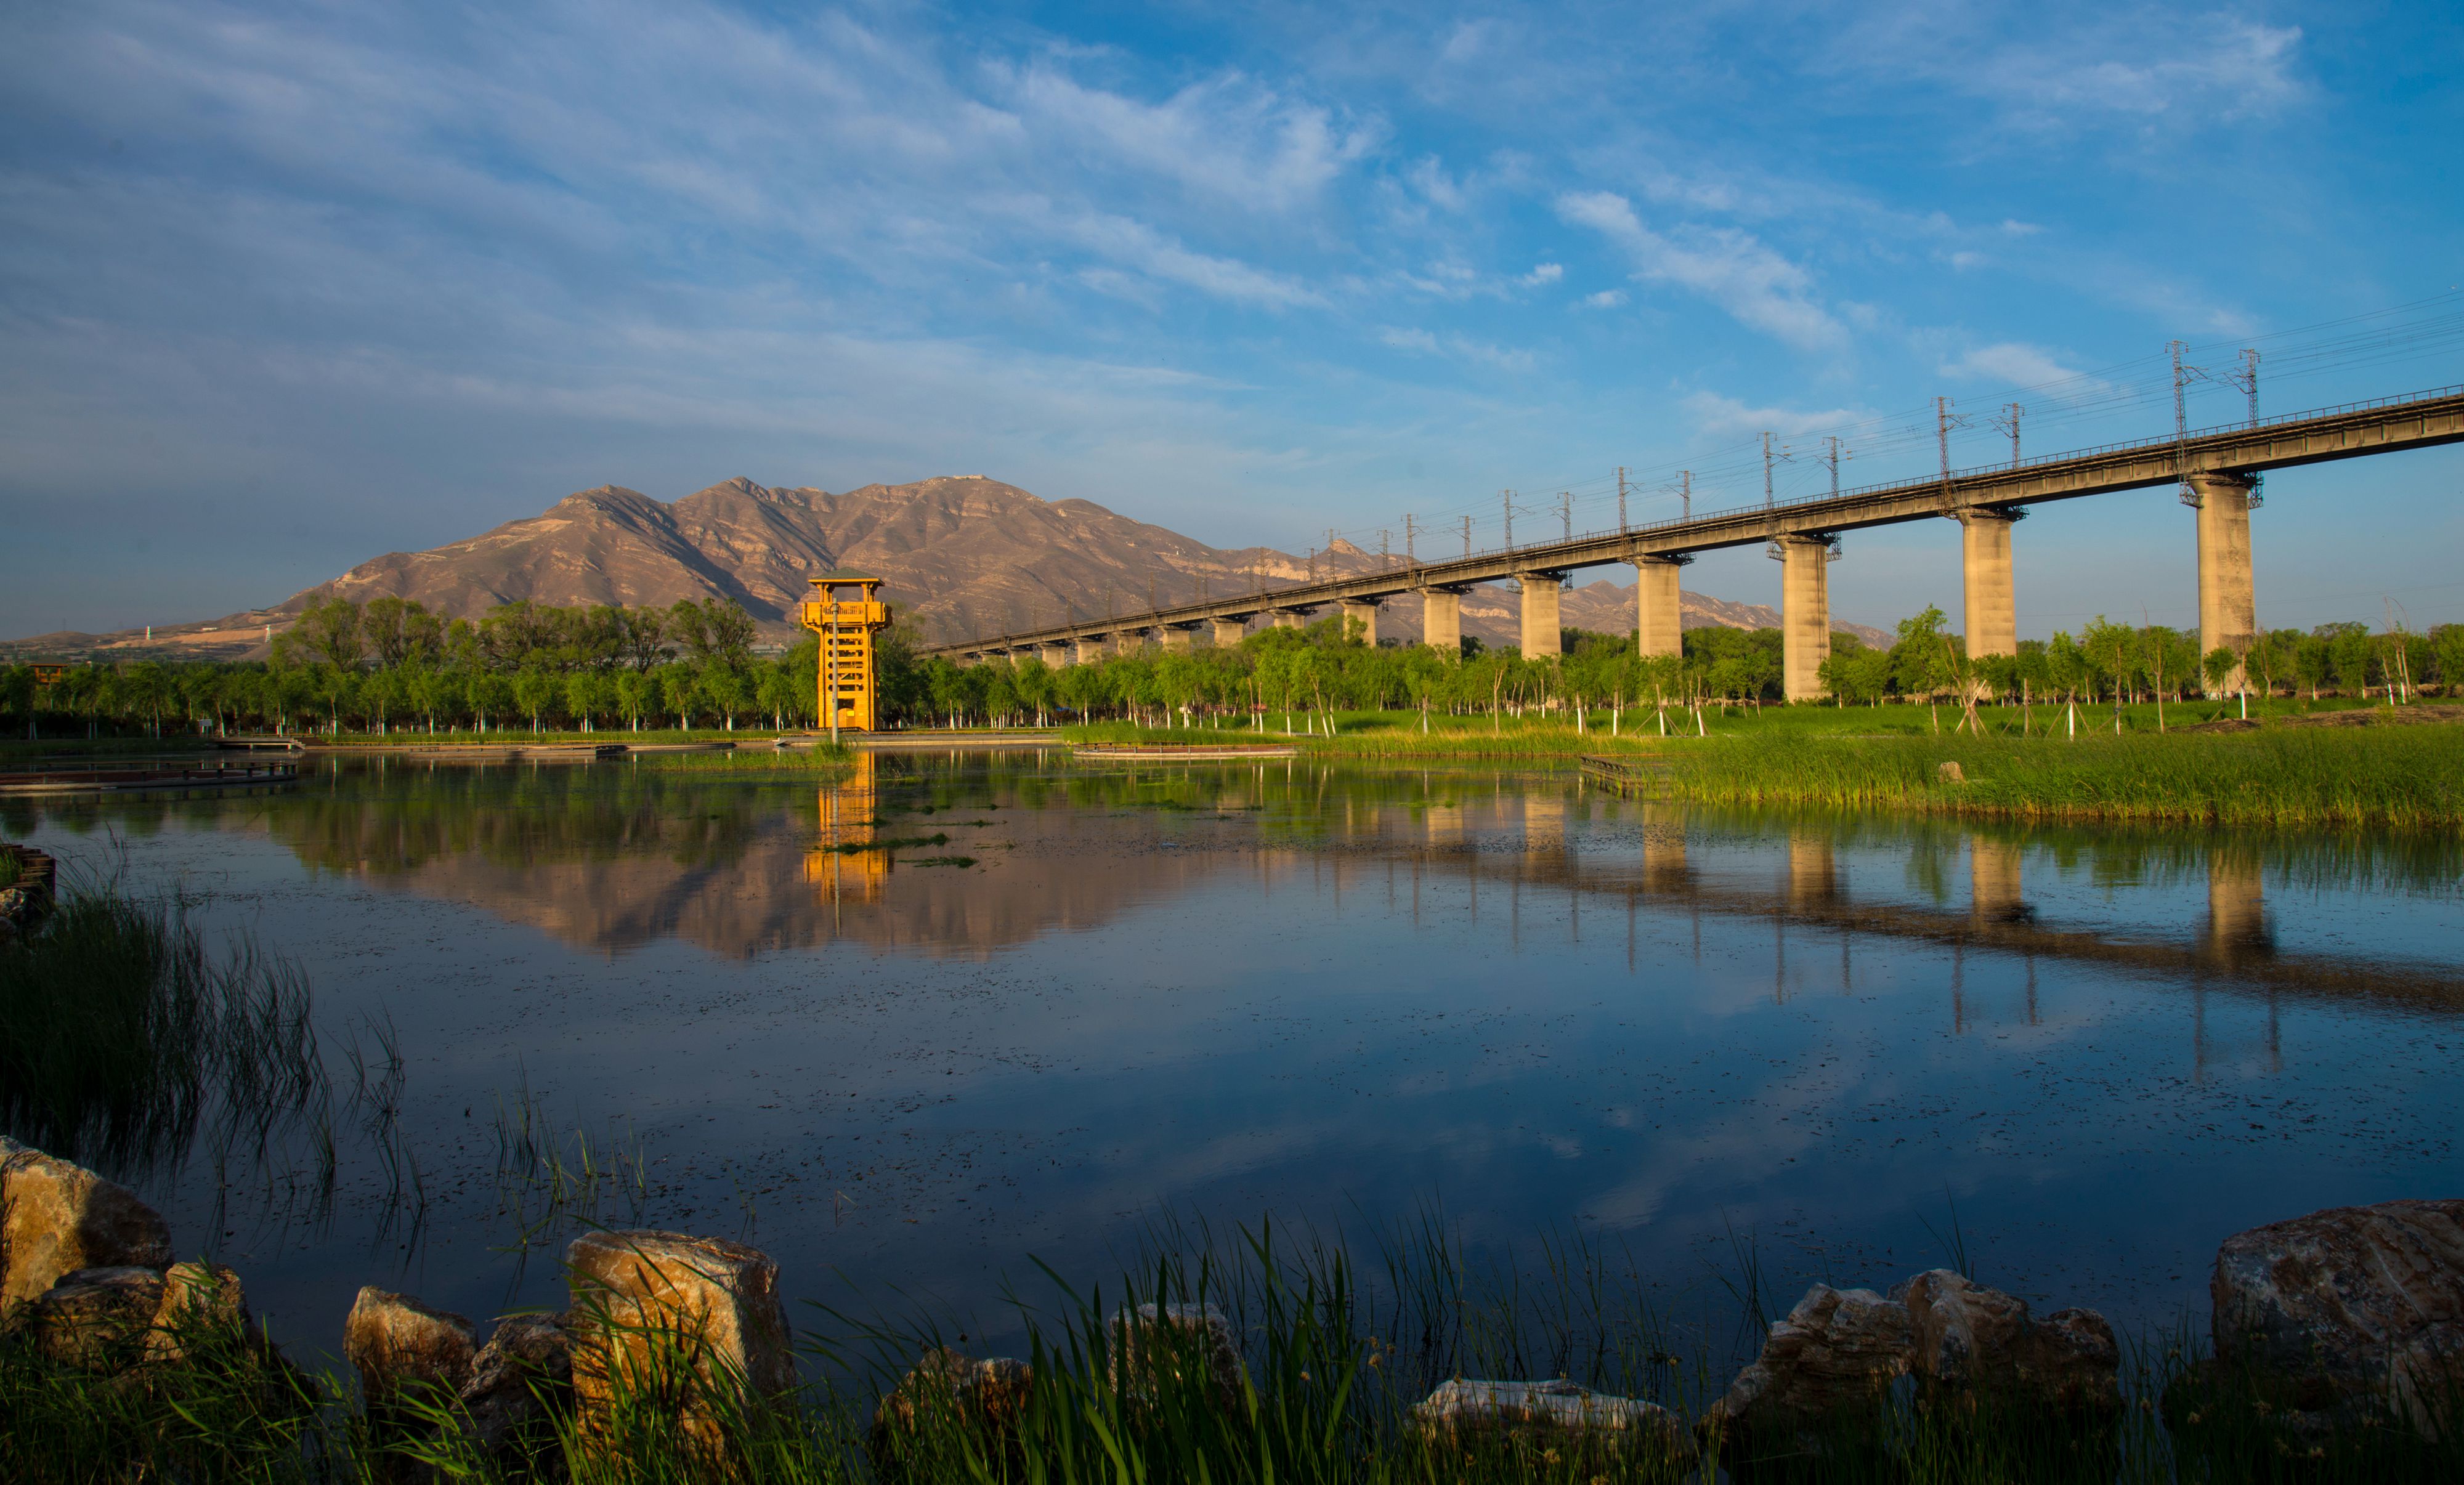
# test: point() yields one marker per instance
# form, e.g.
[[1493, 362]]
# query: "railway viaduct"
[[2217, 471]]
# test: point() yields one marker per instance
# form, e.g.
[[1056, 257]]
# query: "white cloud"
[[1605, 299], [1456, 347], [1544, 273], [1227, 137], [1435, 186], [2011, 363], [1730, 268], [1726, 417], [1136, 245], [2198, 69]]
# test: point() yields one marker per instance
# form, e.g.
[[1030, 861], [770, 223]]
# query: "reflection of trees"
[[400, 817], [728, 852]]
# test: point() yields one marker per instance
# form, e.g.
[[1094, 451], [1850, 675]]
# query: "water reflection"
[[1256, 985]]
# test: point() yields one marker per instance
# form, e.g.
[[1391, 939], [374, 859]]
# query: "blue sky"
[[285, 286]]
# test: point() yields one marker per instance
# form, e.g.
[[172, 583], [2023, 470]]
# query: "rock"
[[94, 1319], [200, 1301], [57, 1219], [1837, 1351], [684, 1318], [1557, 1414], [1969, 1336], [403, 1349], [2072, 1362], [1153, 1343], [2349, 1313], [1952, 774], [518, 1381], [983, 1397]]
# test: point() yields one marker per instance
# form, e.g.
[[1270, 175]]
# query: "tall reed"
[[122, 1034]]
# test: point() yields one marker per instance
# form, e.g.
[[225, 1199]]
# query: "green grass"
[[1889, 758], [2379, 778]]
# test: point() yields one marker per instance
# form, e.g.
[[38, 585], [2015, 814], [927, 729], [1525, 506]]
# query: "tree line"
[[389, 665], [1312, 673]]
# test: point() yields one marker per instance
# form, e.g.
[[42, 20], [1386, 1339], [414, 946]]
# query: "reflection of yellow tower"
[[848, 691], [849, 810]]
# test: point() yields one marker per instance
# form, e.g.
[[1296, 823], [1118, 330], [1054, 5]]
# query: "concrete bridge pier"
[[2228, 602], [1365, 610], [1289, 618], [1228, 631], [1805, 614], [1658, 614], [1985, 570], [1441, 619], [1090, 650], [1129, 642], [1541, 631], [1994, 879], [1174, 636]]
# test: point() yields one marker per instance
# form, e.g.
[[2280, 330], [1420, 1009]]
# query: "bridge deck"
[[2351, 431]]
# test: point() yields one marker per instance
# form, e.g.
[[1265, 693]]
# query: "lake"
[[910, 1025]]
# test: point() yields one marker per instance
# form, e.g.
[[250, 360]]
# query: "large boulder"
[[1969, 1337], [518, 1382], [1562, 1415], [1156, 1345], [981, 1400], [96, 1318], [1835, 1353], [2349, 1313], [57, 1219], [695, 1323], [405, 1351]]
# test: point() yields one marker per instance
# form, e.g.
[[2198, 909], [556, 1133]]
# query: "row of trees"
[[389, 665], [1321, 669], [2108, 661]]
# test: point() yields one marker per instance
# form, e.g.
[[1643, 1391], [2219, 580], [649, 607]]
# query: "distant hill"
[[962, 556]]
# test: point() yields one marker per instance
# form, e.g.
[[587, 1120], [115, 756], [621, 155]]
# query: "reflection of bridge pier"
[[1993, 881], [1543, 825], [1813, 874], [2237, 906], [1663, 848]]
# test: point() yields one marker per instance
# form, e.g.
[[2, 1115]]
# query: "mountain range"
[[962, 556]]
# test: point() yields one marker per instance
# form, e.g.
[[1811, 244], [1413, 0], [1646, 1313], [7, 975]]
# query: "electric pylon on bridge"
[[848, 682]]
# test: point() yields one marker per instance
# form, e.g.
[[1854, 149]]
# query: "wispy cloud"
[[1228, 137], [1457, 347], [1715, 415], [1728, 267], [2011, 363]]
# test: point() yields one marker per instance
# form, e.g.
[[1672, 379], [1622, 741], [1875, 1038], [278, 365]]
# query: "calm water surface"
[[1345, 996]]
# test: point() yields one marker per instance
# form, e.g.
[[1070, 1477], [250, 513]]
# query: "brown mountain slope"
[[963, 556]]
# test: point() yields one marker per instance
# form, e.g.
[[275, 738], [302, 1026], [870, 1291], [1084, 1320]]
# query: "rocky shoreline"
[[2346, 1320]]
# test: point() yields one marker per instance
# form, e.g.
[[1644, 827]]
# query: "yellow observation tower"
[[846, 610]]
